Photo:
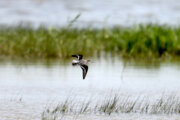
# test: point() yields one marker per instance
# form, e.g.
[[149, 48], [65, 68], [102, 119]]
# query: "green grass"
[[142, 41]]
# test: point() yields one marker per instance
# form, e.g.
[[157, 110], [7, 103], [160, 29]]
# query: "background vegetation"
[[142, 41]]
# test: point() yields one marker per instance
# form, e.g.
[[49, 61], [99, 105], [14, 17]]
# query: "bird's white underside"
[[75, 61]]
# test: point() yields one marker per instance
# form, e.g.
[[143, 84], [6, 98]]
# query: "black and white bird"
[[82, 63]]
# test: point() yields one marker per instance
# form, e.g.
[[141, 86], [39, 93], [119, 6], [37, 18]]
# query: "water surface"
[[97, 13], [26, 90]]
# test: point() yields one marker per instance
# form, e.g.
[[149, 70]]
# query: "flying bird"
[[82, 63]]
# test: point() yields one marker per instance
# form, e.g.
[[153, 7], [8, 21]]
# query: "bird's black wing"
[[84, 70], [79, 57]]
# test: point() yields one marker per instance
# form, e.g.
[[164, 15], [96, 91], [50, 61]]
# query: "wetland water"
[[26, 90], [96, 13]]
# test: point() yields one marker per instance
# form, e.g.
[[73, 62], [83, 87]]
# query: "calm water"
[[93, 12], [26, 90]]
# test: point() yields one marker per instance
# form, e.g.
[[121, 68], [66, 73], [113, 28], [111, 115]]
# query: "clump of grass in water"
[[166, 104], [148, 41], [109, 106], [60, 109]]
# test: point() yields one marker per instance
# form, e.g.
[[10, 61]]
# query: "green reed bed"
[[142, 41]]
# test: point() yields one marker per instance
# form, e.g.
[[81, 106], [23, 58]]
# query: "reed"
[[141, 41], [116, 104]]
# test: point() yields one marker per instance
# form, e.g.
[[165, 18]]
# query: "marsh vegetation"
[[141, 41], [115, 104]]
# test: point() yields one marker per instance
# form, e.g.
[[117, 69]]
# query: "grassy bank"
[[150, 41]]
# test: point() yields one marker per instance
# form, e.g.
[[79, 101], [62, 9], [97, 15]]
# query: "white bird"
[[82, 63]]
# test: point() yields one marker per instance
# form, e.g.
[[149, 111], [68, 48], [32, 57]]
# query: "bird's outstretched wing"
[[84, 70], [79, 57]]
